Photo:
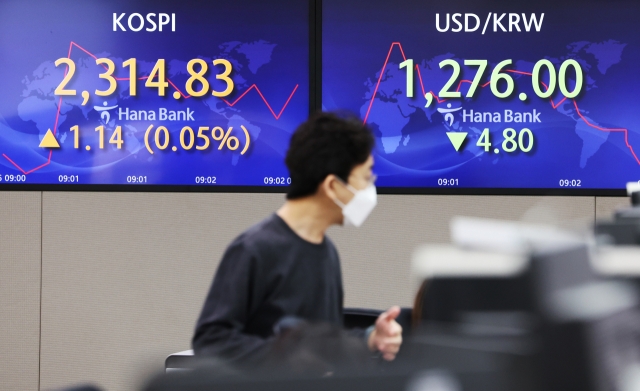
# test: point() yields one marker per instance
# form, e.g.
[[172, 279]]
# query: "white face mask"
[[358, 209]]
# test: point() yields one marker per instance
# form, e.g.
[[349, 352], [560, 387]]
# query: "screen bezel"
[[315, 105]]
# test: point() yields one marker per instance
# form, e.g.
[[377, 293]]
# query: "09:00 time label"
[[13, 178]]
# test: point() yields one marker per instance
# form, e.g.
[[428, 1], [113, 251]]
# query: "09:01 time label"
[[447, 182]]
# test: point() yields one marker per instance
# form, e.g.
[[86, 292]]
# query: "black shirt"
[[267, 273]]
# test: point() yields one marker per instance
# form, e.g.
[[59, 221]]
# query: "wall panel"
[[20, 290], [606, 206], [376, 257], [125, 275]]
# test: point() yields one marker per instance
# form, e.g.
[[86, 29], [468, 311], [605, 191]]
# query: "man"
[[285, 267]]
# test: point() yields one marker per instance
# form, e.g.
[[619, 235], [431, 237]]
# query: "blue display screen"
[[121, 92], [490, 94]]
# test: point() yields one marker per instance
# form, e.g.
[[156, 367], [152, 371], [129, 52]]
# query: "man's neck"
[[307, 217]]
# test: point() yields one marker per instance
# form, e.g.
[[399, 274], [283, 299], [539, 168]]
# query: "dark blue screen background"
[[413, 150], [267, 43]]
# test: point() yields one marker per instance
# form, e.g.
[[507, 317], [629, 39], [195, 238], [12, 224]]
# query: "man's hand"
[[387, 336]]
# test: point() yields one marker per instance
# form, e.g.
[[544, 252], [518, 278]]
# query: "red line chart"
[[182, 94], [553, 104]]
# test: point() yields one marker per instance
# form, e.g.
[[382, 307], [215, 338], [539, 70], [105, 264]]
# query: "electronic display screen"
[[122, 92], [538, 96]]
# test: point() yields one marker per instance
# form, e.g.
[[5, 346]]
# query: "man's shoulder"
[[263, 233], [272, 235], [330, 244]]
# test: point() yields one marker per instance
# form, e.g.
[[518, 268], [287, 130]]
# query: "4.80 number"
[[524, 142]]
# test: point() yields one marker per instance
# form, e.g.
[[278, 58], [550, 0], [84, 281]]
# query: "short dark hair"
[[327, 143]]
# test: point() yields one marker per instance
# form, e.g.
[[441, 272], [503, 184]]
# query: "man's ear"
[[328, 186]]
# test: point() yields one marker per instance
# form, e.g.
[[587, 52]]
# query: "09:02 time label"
[[277, 180], [570, 183]]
